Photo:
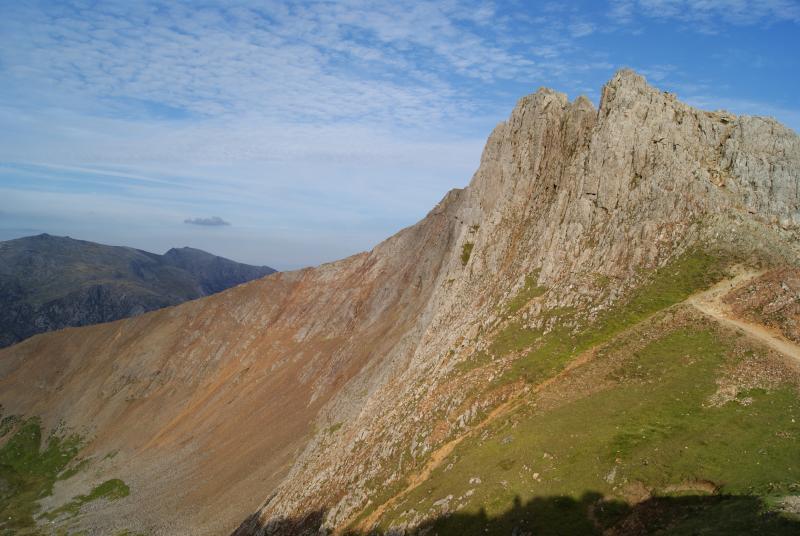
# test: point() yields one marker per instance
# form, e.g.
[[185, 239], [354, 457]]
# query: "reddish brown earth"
[[207, 404], [772, 299]]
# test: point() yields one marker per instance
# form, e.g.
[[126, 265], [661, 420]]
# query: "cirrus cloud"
[[326, 124]]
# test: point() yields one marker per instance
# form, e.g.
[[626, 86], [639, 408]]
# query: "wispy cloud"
[[303, 118], [213, 221], [707, 15], [581, 29], [298, 60], [384, 61]]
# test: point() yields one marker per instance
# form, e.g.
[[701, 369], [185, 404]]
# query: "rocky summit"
[[596, 336]]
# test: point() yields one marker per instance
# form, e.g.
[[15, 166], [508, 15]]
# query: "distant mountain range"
[[51, 282]]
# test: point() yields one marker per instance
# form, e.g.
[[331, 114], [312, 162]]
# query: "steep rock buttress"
[[569, 193]]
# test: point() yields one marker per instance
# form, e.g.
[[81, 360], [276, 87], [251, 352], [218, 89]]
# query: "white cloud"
[[581, 29], [301, 60], [657, 73], [707, 15], [310, 116]]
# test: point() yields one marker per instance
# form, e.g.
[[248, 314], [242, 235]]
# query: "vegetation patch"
[[110, 490], [552, 351], [30, 467], [476, 360], [7, 424], [528, 292], [28, 471], [378, 496], [332, 429], [650, 429], [602, 281], [466, 252], [514, 337]]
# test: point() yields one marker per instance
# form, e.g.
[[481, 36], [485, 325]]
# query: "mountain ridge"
[[512, 181], [52, 282], [580, 223]]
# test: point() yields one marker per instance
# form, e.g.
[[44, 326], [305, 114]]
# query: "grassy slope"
[[652, 429], [110, 490], [553, 350], [653, 426], [29, 470], [546, 353]]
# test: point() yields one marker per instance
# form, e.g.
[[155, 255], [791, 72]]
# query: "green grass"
[[476, 360], [332, 429], [110, 490], [654, 426], [602, 281], [466, 252], [379, 496], [30, 467], [7, 424], [552, 351], [528, 292], [74, 470], [28, 471]]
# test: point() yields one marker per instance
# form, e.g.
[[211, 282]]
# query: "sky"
[[295, 133]]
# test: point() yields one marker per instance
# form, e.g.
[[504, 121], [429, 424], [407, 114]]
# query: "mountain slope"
[[570, 213], [674, 423], [548, 297], [49, 282]]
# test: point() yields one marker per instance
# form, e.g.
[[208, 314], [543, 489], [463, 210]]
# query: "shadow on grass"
[[565, 516]]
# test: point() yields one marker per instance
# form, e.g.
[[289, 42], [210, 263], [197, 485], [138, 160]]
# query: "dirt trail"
[[440, 454], [710, 303], [436, 459]]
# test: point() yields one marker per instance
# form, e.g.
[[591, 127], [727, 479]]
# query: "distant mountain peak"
[[49, 282]]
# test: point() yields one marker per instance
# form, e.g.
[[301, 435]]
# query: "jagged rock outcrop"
[[51, 282], [318, 389], [571, 193]]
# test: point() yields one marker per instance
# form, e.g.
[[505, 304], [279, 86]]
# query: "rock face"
[[573, 194], [319, 389], [50, 282], [772, 300]]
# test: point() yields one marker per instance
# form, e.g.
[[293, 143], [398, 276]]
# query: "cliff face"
[[321, 389], [51, 282], [574, 196]]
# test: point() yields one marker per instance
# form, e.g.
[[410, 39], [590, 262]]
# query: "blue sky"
[[308, 131]]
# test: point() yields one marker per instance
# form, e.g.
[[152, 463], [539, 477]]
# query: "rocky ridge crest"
[[574, 195]]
